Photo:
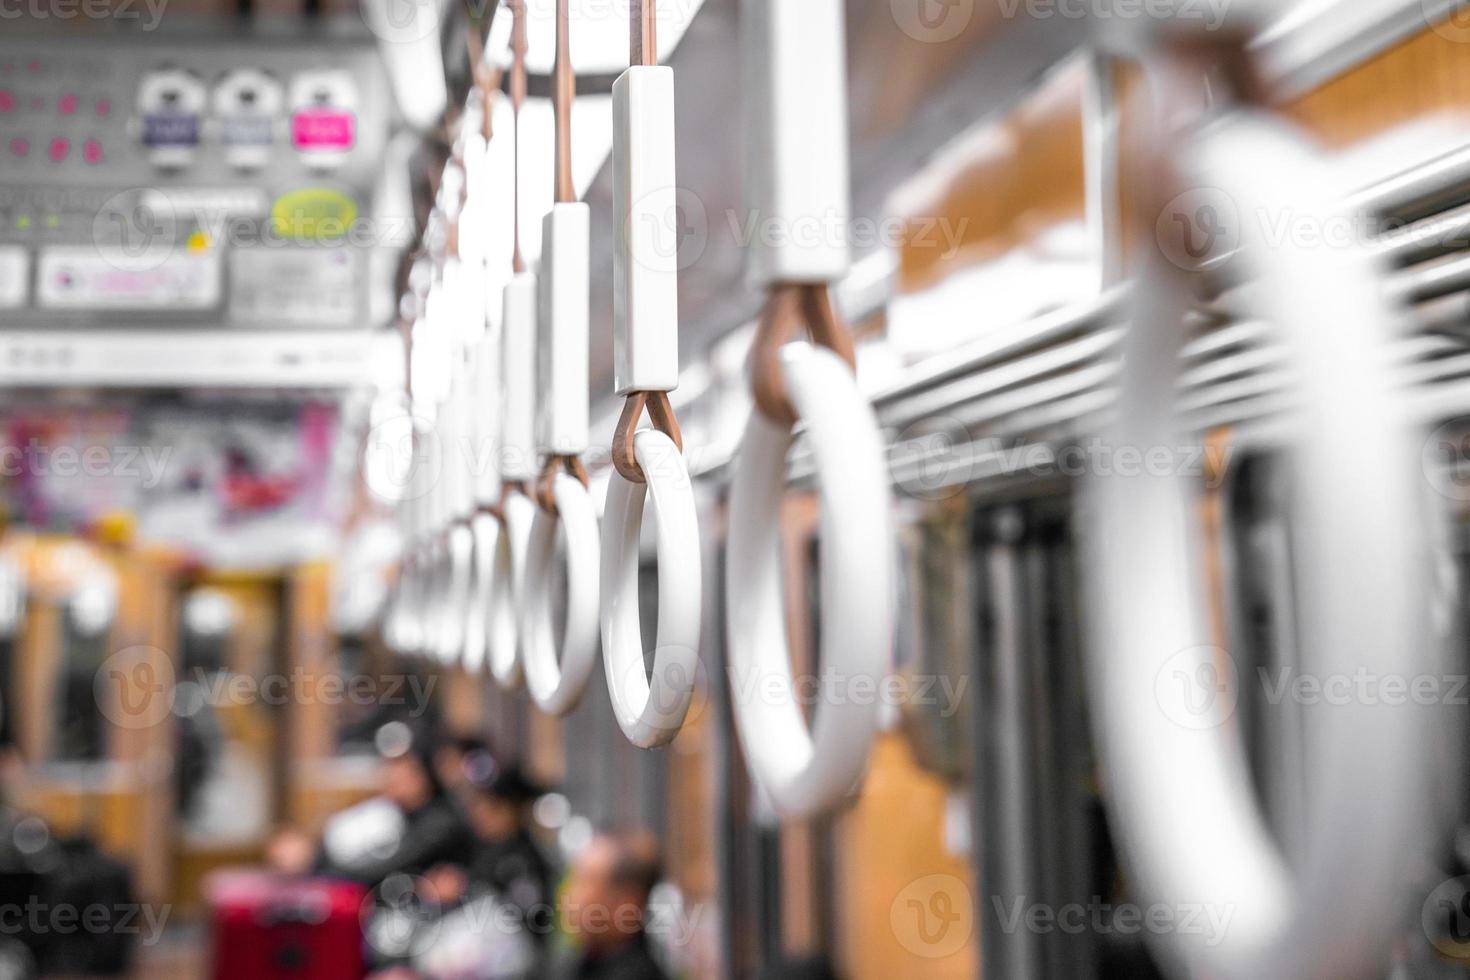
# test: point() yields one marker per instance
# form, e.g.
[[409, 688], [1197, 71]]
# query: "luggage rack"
[[1024, 392]]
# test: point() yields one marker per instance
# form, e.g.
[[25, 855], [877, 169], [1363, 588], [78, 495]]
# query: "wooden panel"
[[1024, 174], [892, 863], [1426, 74], [314, 654], [691, 802]]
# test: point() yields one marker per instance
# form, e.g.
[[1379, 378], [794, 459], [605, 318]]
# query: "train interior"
[[834, 480]]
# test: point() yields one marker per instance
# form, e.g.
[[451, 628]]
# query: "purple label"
[[168, 129]]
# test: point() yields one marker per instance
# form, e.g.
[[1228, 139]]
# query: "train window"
[[221, 791], [87, 616], [1041, 834]]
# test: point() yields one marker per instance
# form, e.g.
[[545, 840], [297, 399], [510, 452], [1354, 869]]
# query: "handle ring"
[[651, 711], [808, 771], [556, 683], [1181, 793]]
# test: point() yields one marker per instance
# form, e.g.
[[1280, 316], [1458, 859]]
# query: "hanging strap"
[[563, 283], [798, 177], [518, 321], [517, 100], [644, 32], [565, 94], [645, 260]]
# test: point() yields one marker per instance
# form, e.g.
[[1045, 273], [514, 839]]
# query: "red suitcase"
[[266, 927]]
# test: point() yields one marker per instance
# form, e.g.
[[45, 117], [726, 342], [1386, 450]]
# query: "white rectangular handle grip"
[[518, 356], [487, 409], [797, 183], [562, 341], [645, 232]]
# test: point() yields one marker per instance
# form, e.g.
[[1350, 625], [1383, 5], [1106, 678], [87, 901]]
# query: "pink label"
[[323, 129]]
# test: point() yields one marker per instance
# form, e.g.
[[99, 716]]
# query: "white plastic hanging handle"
[[516, 460], [556, 679], [650, 703], [797, 176], [1179, 784], [809, 772]]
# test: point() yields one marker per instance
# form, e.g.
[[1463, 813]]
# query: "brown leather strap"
[[497, 509], [1227, 55], [644, 32], [660, 413], [546, 483], [564, 95], [517, 99], [792, 310]]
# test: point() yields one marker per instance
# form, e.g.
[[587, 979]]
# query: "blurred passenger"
[[414, 825], [607, 908], [507, 859], [461, 761]]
